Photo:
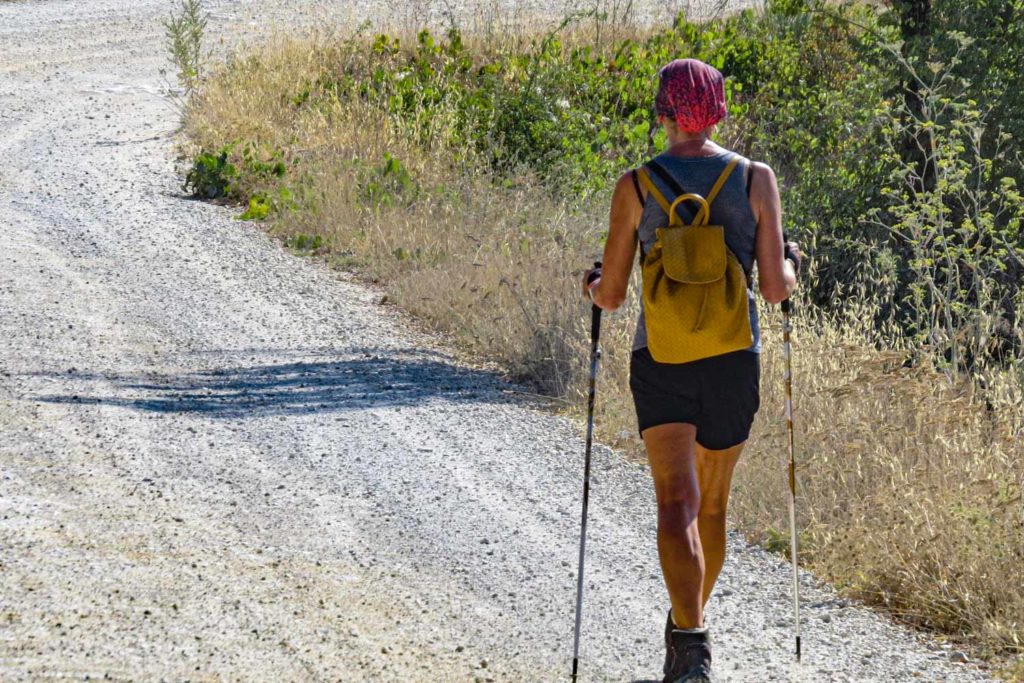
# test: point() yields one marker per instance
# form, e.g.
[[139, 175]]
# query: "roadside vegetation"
[[468, 173]]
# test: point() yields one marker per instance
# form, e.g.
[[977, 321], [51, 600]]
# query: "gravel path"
[[219, 462]]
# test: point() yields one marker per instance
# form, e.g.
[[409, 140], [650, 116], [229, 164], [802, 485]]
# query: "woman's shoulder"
[[761, 173], [760, 165]]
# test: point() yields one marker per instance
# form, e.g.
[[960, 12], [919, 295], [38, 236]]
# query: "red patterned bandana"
[[692, 93]]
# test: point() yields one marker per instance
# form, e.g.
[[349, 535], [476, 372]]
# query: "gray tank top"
[[730, 209]]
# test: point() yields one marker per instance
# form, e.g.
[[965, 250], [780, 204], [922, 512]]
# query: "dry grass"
[[910, 488]]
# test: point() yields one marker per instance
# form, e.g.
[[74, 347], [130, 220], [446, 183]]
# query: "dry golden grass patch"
[[910, 487]]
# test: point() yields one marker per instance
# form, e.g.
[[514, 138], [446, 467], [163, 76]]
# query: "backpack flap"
[[693, 254]]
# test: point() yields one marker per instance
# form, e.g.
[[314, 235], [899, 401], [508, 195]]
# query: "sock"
[[677, 627]]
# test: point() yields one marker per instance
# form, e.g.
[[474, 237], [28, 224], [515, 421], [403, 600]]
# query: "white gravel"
[[219, 462]]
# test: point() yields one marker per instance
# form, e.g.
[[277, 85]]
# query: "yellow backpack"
[[694, 288]]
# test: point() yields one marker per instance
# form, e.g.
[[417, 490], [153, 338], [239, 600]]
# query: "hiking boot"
[[688, 655], [669, 627]]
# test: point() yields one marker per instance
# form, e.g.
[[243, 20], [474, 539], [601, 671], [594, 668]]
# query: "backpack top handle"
[[702, 216]]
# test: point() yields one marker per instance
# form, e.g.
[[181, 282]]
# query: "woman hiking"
[[694, 416]]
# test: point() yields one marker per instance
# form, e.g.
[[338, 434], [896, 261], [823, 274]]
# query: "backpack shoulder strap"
[[636, 187], [673, 185], [721, 179], [666, 177], [652, 190]]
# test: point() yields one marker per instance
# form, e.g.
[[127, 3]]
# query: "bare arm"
[[620, 248], [776, 277]]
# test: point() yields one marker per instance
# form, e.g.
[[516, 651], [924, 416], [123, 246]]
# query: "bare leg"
[[714, 473], [670, 450]]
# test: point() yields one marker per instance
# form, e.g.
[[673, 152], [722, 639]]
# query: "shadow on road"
[[305, 386]]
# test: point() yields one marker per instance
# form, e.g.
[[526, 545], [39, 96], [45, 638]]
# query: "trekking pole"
[[595, 356], [788, 381]]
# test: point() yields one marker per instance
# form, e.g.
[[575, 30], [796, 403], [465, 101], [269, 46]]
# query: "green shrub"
[[211, 175]]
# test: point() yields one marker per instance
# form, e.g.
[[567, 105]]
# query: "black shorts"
[[718, 395]]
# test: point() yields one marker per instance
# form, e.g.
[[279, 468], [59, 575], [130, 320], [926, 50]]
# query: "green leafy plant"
[[257, 210], [263, 165], [211, 175]]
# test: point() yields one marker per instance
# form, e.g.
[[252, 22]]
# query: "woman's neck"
[[692, 145]]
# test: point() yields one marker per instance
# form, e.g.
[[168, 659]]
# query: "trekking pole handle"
[[787, 305], [595, 318]]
